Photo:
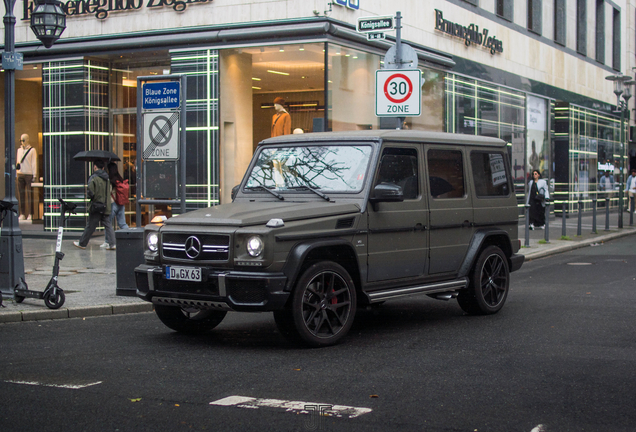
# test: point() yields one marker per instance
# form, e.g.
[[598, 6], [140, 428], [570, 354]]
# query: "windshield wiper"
[[265, 188], [309, 188]]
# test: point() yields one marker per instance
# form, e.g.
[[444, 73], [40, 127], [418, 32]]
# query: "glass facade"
[[90, 103], [75, 118], [475, 107], [588, 157]]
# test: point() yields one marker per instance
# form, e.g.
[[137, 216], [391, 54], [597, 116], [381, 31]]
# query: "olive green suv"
[[324, 223]]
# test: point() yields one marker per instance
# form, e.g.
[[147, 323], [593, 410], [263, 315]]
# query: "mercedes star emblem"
[[193, 247]]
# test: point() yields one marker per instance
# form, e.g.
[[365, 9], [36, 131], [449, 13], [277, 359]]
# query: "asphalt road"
[[560, 356]]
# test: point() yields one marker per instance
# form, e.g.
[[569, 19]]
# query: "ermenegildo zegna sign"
[[101, 8], [470, 34]]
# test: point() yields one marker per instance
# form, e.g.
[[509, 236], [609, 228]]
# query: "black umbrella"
[[93, 155]]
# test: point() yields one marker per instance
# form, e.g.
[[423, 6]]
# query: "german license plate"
[[192, 274]]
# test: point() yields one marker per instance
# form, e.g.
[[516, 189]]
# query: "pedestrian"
[[537, 195], [26, 170], [118, 212], [99, 208], [628, 186]]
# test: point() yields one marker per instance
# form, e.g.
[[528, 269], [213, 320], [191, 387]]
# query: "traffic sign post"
[[398, 93], [161, 133], [399, 84]]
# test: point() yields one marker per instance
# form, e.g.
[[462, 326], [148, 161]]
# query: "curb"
[[575, 245], [75, 312]]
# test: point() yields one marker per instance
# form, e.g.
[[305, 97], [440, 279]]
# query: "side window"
[[399, 166], [489, 174], [446, 173]]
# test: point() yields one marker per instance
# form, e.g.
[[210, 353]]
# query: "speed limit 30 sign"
[[398, 93]]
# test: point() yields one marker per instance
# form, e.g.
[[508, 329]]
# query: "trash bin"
[[129, 254]]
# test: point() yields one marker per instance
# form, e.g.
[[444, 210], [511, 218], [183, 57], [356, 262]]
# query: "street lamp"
[[48, 22], [622, 87]]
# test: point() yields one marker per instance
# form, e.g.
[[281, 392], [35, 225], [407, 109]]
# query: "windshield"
[[329, 168]]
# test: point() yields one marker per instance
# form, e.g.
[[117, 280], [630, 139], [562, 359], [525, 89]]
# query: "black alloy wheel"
[[323, 306], [489, 284]]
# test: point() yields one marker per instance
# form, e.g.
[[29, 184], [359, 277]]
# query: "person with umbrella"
[[99, 189]]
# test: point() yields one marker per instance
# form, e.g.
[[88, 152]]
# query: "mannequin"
[[27, 158], [281, 121]]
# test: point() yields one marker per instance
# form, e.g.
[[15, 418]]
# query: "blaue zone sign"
[[160, 95]]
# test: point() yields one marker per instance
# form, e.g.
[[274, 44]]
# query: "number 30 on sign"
[[398, 92]]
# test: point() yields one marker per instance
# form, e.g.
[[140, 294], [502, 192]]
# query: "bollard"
[[607, 214], [594, 216], [547, 221], [578, 224], [527, 242], [563, 206], [631, 210]]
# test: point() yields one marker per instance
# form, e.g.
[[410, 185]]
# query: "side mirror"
[[235, 190], [387, 192]]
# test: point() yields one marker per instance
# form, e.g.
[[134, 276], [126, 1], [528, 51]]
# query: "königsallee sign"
[[101, 8], [470, 34]]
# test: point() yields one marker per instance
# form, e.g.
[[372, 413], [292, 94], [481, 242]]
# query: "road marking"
[[66, 386], [539, 428], [297, 407]]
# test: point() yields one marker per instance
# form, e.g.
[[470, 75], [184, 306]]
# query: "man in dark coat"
[[99, 208]]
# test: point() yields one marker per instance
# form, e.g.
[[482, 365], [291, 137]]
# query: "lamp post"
[[47, 22], [622, 87]]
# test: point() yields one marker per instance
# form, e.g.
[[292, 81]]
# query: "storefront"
[[81, 94]]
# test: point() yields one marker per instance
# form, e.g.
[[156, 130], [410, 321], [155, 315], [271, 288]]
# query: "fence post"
[[527, 241], [547, 221], [563, 216], [580, 219], [607, 203], [594, 216]]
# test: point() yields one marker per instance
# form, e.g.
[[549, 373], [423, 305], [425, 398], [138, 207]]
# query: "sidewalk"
[[88, 277]]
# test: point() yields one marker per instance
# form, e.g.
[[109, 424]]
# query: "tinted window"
[[399, 166], [446, 173], [489, 174]]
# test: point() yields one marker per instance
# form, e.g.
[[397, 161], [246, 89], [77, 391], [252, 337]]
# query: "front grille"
[[214, 247]]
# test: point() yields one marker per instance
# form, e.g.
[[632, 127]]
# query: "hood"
[[254, 213], [99, 173]]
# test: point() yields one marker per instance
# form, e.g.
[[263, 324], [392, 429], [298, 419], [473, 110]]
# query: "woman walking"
[[538, 193], [118, 207]]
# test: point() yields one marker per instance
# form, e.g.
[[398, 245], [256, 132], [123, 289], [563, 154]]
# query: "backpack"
[[120, 192]]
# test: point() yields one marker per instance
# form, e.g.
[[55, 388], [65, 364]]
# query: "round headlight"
[[255, 246], [153, 241]]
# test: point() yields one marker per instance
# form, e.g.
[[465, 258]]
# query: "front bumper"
[[516, 261], [226, 290]]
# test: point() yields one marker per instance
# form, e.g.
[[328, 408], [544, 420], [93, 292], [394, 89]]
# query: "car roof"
[[392, 135]]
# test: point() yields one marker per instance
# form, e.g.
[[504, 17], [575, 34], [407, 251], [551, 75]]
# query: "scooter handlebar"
[[68, 206]]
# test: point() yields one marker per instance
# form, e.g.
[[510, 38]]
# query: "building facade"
[[528, 72]]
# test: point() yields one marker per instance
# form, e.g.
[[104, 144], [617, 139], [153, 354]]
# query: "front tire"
[[489, 284], [189, 320], [323, 306], [54, 301]]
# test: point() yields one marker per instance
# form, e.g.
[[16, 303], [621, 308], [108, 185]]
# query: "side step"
[[440, 287]]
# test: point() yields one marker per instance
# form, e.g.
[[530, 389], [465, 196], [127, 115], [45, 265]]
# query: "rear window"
[[489, 174]]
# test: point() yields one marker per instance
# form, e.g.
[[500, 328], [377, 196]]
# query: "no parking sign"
[[398, 92]]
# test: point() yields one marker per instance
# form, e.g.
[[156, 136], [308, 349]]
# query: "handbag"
[[98, 207], [17, 166]]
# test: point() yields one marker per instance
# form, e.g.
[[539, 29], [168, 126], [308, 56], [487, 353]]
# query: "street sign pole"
[[158, 103], [398, 54]]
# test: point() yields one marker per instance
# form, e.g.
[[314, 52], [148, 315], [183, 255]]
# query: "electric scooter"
[[53, 295]]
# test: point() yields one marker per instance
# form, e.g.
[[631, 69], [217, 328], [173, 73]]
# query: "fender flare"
[[475, 246], [300, 251]]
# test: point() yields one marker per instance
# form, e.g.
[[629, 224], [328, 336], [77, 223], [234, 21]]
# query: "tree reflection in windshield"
[[328, 168]]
